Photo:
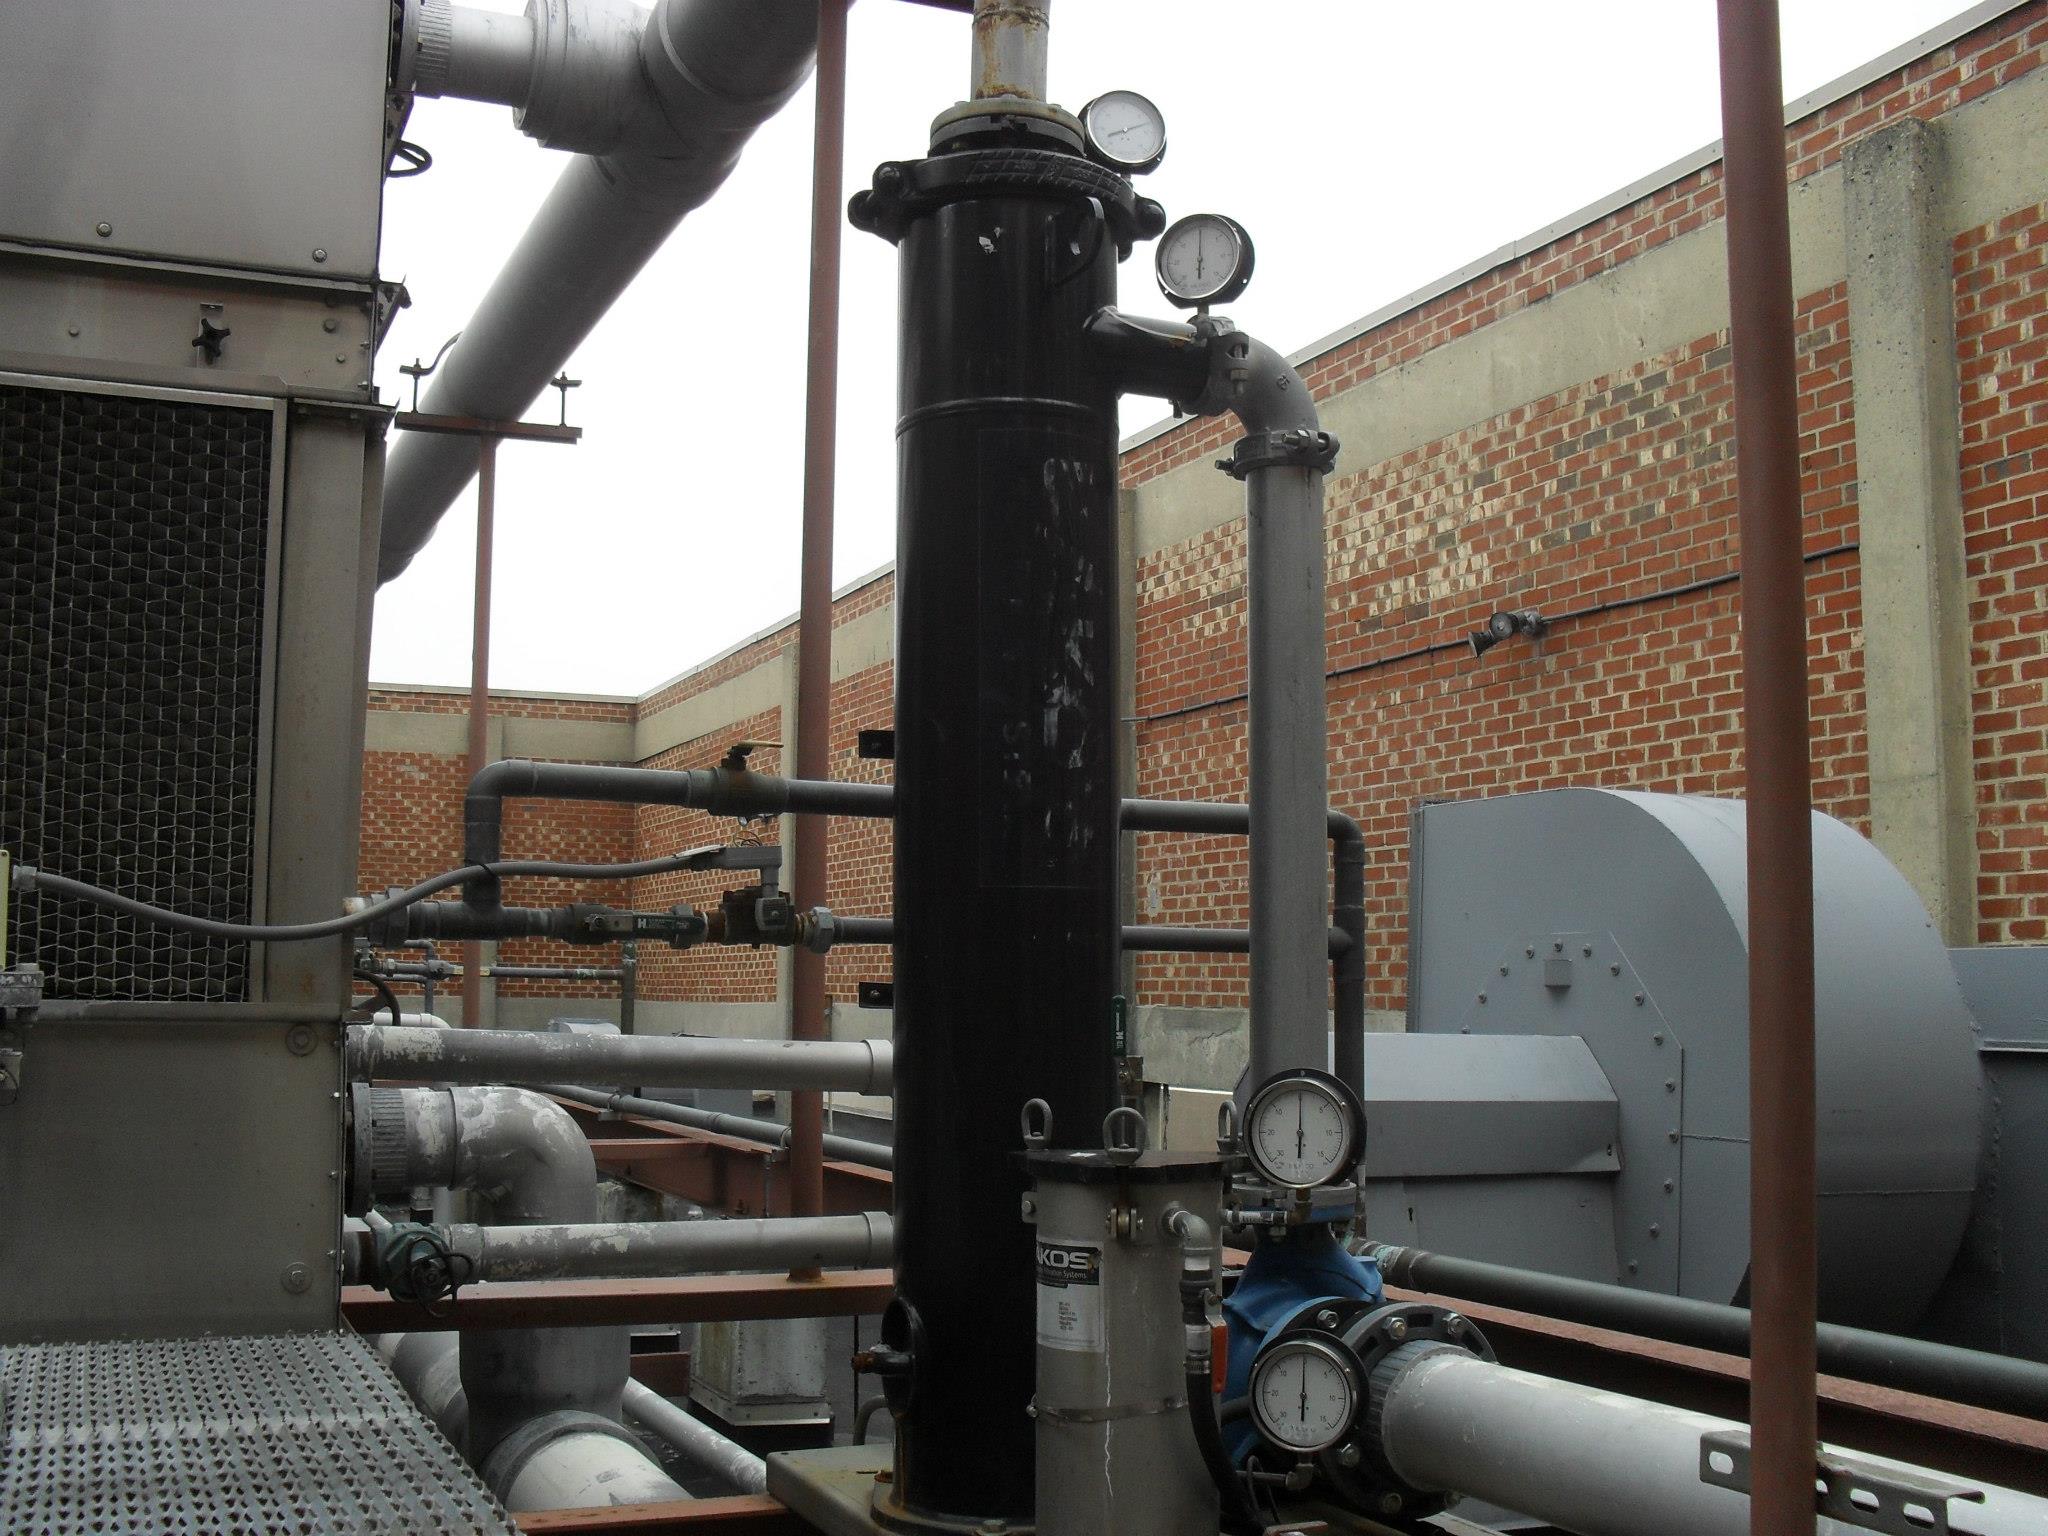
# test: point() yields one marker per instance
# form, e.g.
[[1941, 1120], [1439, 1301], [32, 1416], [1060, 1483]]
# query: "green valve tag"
[[1120, 1026]]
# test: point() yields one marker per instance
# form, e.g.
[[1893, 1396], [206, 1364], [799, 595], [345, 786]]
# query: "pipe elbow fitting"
[[525, 1154], [587, 89]]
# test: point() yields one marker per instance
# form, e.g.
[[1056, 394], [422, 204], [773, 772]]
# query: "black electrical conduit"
[[773, 1133], [1147, 938], [1997, 1382], [1460, 641], [741, 792]]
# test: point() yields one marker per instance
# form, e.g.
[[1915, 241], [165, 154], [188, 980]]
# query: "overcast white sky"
[[1369, 146]]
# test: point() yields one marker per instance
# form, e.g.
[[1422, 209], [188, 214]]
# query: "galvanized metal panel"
[[170, 1177], [221, 1436], [246, 133], [333, 469], [98, 316]]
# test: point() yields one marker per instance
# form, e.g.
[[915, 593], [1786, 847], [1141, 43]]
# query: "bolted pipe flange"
[[1297, 447]]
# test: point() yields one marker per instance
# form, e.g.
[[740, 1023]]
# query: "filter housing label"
[[1069, 1295]]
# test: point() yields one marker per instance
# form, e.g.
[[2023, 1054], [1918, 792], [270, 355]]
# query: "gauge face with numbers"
[[1302, 1130], [1304, 1395], [1204, 258], [1125, 130]]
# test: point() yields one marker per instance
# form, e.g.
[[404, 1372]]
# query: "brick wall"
[[1607, 504], [2002, 356]]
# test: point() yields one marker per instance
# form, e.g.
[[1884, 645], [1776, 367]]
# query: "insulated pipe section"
[[1998, 1382], [1596, 1462], [526, 1156], [845, 1149], [697, 1442], [563, 1460], [381, 1052], [658, 111], [584, 1466], [630, 1250]]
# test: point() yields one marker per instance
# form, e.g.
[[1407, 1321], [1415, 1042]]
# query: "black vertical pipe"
[[1007, 800]]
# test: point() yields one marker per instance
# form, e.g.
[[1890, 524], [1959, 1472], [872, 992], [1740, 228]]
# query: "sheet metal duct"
[[658, 124], [1620, 918]]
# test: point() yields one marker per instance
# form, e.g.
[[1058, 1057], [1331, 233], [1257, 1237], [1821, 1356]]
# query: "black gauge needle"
[[1304, 1389], [1300, 1130]]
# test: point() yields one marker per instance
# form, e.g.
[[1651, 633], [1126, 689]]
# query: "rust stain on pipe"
[[1009, 49], [1783, 1257], [808, 1002]]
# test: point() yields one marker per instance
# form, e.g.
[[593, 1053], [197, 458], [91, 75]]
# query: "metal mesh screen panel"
[[300, 1433], [132, 558]]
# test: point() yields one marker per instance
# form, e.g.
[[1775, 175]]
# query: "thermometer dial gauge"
[[1202, 259], [1125, 131], [1303, 1130], [1304, 1395]]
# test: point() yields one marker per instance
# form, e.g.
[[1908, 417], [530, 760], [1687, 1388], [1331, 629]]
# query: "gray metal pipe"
[[561, 1460], [1009, 49], [624, 1250], [1289, 719], [1208, 368], [584, 1469], [845, 1149], [1998, 1382], [697, 1442], [380, 1051], [474, 55], [1596, 1462], [704, 76], [525, 1156]]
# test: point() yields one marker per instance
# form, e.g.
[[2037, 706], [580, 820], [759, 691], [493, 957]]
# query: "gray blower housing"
[[1573, 1092]]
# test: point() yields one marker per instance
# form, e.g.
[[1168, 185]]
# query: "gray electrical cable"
[[27, 878]]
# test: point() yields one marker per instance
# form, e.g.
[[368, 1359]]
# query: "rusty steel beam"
[[595, 1303], [483, 427], [1783, 1217], [666, 1371], [743, 1515], [741, 1178], [1954, 1437]]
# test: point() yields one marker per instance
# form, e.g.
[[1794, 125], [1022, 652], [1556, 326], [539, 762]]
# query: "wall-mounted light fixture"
[[1505, 625]]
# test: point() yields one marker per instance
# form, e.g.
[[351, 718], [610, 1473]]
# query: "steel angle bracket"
[[1855, 1490]]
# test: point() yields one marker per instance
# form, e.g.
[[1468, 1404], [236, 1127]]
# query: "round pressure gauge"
[[1125, 131], [1204, 258], [1303, 1129], [1304, 1394]]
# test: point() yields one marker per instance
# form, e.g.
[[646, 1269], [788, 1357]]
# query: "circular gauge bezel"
[[1283, 1350], [1098, 145], [1229, 286], [1333, 1088]]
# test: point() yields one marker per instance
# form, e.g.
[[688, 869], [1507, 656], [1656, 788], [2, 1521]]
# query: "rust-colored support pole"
[[814, 610], [1782, 1198], [480, 690]]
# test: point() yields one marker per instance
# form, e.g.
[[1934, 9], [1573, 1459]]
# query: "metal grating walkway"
[[278, 1435]]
